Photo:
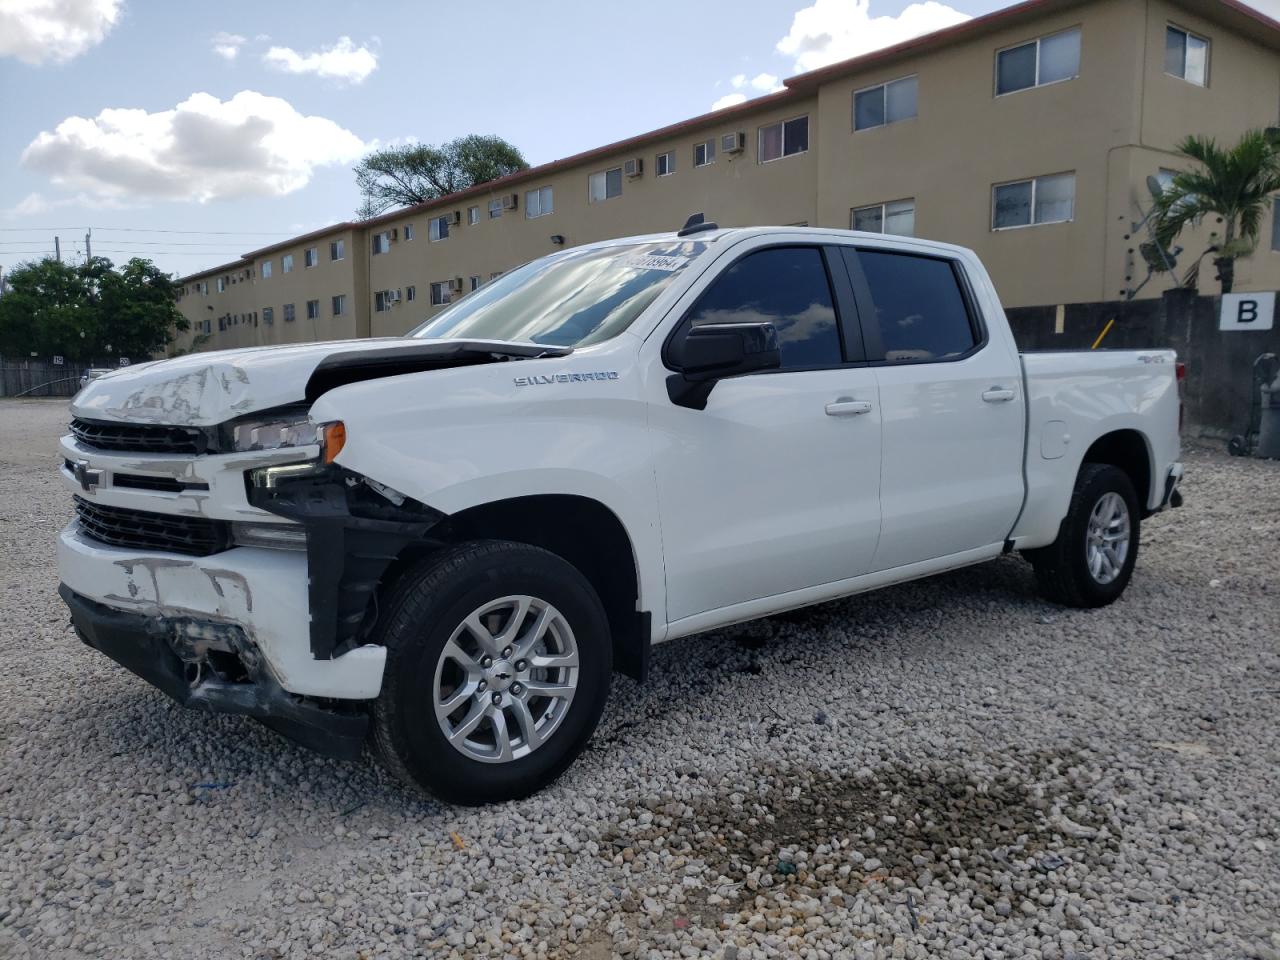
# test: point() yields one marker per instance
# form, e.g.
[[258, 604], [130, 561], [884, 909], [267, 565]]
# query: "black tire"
[[1062, 568], [427, 604]]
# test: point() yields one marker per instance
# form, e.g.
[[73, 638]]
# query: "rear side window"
[[785, 286], [919, 308]]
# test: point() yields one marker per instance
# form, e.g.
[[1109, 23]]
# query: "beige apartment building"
[[1028, 135]]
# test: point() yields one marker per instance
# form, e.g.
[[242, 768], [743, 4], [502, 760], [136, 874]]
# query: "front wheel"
[[1090, 563], [498, 667]]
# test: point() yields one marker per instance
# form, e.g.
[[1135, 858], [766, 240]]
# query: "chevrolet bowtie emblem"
[[88, 479]]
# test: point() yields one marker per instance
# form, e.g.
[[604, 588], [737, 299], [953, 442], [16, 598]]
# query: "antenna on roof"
[[697, 224]]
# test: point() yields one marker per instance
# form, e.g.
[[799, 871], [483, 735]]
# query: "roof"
[[1234, 13]]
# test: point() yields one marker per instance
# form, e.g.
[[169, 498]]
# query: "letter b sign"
[[1247, 311]]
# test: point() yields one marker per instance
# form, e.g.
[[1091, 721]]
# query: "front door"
[[775, 486]]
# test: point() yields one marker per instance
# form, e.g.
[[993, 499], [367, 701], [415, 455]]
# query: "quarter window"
[[1025, 203], [919, 308], [665, 164], [897, 217], [438, 228], [704, 153], [1038, 62], [887, 103], [784, 139], [538, 203], [604, 185], [785, 286], [1186, 56]]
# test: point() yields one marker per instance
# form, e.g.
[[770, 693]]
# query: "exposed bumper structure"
[[1172, 495], [261, 591], [213, 666]]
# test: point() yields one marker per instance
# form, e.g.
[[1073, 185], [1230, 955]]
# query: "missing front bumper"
[[206, 665]]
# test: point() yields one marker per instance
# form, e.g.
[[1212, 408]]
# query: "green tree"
[[89, 311], [403, 176], [1233, 184]]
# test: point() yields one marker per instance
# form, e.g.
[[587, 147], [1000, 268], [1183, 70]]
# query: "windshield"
[[570, 299]]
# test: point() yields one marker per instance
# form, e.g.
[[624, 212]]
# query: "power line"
[[219, 233], [139, 243]]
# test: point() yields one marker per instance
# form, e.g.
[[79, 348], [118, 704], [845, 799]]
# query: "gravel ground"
[[949, 768]]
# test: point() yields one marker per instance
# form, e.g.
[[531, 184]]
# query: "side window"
[[785, 286], [919, 308]]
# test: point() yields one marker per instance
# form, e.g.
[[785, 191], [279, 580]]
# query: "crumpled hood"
[[204, 389]]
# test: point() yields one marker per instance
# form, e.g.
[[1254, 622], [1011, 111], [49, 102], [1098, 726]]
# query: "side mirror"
[[714, 351]]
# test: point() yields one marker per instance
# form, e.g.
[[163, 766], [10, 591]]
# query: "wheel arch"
[[579, 529], [1128, 450]]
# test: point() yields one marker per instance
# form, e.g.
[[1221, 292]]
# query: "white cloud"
[[34, 204], [343, 61], [204, 149], [833, 30], [729, 100], [227, 45], [35, 31], [738, 81], [765, 83]]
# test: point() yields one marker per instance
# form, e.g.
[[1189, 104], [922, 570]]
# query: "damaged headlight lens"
[[274, 433], [277, 535]]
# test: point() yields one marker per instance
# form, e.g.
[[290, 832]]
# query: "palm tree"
[[1233, 184]]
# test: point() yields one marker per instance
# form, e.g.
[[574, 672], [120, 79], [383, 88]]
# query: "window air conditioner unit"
[[393, 296], [633, 167], [510, 201], [455, 285], [454, 218], [733, 142]]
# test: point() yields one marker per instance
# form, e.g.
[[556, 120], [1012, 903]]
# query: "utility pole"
[[57, 248], [88, 246]]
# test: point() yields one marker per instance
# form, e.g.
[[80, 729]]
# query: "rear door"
[[775, 486], [952, 405]]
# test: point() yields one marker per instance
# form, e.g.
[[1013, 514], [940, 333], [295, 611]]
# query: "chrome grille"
[[139, 437], [143, 530]]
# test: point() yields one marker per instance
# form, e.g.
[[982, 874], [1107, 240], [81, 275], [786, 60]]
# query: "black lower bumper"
[[173, 654]]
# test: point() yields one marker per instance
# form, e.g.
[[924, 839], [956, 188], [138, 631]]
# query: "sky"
[[192, 133]]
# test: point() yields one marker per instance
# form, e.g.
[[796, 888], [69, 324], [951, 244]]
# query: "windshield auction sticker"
[[643, 262]]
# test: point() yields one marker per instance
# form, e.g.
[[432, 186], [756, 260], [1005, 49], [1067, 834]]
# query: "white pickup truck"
[[445, 543]]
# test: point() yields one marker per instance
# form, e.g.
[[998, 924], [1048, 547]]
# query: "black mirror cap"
[[714, 351]]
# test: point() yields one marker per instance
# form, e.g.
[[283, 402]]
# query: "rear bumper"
[[1172, 495], [175, 654]]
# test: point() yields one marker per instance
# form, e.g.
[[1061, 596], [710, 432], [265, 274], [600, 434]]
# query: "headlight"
[[291, 431], [331, 437]]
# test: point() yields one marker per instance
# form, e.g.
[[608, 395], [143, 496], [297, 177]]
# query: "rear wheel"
[[498, 667], [1090, 563]]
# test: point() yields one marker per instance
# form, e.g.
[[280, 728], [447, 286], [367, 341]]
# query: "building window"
[[382, 300], [538, 203], [665, 165], [1186, 56], [310, 257], [339, 304], [382, 242], [784, 139], [288, 312], [473, 216], [438, 228], [495, 208], [408, 231], [337, 249], [266, 269], [268, 315], [1025, 203], [411, 293], [222, 284], [704, 153], [495, 275], [475, 282], [604, 185], [887, 103], [897, 217], [313, 309], [286, 263], [440, 293], [1038, 62]]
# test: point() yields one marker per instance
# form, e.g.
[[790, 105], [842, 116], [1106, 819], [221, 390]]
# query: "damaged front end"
[[207, 665]]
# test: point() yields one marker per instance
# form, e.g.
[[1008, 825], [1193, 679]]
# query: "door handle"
[[998, 395], [848, 407]]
